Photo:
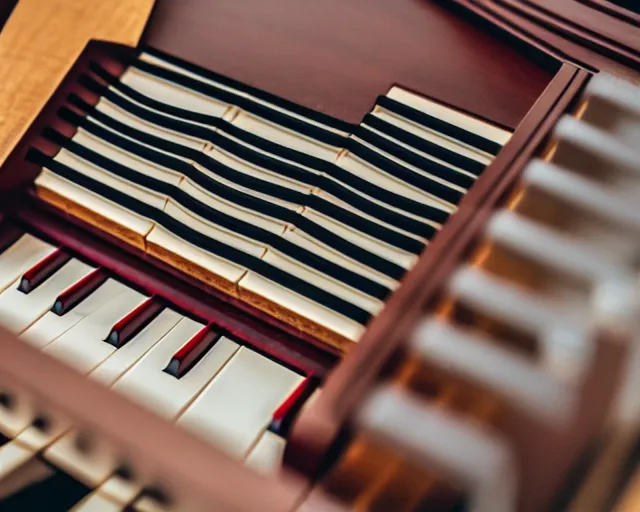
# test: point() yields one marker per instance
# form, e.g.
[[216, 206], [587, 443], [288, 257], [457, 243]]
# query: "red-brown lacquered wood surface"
[[316, 429], [193, 297], [611, 8], [337, 57], [584, 25], [549, 40], [191, 473]]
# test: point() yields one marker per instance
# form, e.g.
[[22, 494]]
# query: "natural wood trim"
[[40, 43], [610, 8]]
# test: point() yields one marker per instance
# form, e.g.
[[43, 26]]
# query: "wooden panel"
[[337, 57], [41, 42], [585, 25], [551, 39]]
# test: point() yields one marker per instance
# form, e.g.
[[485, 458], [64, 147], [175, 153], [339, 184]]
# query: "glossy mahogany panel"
[[337, 56], [551, 40]]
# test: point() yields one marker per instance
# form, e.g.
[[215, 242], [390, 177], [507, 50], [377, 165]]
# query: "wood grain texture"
[[40, 43], [337, 56]]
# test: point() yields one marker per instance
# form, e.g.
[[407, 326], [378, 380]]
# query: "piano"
[[370, 256]]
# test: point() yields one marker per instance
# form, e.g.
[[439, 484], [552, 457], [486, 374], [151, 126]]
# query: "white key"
[[238, 404], [126, 356], [95, 466], [563, 253], [167, 65], [347, 206], [92, 467], [172, 93], [12, 456], [121, 115], [147, 504], [253, 170], [180, 213], [37, 439], [121, 156], [432, 136], [285, 137], [368, 172], [451, 116], [428, 156], [524, 384], [120, 490], [407, 165], [19, 310], [266, 456], [51, 326], [303, 306], [371, 244], [218, 266], [304, 240], [249, 191], [96, 502], [228, 207], [614, 105], [131, 189], [97, 204], [83, 346], [322, 281], [20, 257], [20, 468], [164, 394]]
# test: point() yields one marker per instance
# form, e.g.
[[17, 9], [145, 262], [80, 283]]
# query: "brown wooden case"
[[335, 57]]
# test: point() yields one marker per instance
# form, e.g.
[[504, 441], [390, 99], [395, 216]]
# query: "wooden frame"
[[589, 33]]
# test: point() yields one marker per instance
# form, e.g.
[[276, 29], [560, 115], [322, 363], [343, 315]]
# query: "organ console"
[[371, 256]]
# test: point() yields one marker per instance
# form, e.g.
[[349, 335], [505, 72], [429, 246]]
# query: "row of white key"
[[204, 400]]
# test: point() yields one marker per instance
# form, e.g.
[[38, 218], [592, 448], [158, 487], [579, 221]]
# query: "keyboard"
[[179, 367], [318, 257], [304, 217]]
